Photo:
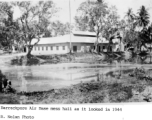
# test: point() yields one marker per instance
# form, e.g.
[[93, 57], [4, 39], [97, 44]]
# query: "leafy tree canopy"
[[34, 20]]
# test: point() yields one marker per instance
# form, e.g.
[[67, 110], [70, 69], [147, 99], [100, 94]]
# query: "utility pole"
[[70, 26]]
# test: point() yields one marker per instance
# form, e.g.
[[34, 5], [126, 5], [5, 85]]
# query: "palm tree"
[[149, 34], [130, 15], [142, 22], [143, 17], [130, 18]]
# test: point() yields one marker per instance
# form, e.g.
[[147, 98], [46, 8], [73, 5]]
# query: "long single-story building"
[[79, 42]]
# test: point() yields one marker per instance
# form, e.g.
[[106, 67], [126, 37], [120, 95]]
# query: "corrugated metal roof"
[[66, 39], [84, 33]]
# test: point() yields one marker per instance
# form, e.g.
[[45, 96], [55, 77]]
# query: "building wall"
[[81, 47], [103, 47], [64, 48], [61, 48], [50, 49], [119, 47]]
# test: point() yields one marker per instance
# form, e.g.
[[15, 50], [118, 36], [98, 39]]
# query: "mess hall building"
[[79, 42]]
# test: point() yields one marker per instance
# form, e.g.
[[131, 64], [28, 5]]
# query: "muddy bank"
[[66, 58], [23, 60], [9, 98]]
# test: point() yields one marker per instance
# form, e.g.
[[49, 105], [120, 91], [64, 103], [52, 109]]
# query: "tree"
[[111, 28], [82, 17], [131, 39], [97, 17], [130, 15], [130, 19], [143, 17], [8, 27], [149, 32], [137, 34], [34, 21], [146, 36], [58, 28], [142, 22]]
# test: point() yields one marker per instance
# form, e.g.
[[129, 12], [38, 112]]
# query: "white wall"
[[119, 46], [49, 49], [81, 47]]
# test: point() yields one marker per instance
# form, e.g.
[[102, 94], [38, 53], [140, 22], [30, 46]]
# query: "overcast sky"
[[121, 5]]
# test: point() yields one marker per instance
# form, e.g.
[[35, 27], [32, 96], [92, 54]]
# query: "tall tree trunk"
[[109, 45], [30, 47], [96, 45]]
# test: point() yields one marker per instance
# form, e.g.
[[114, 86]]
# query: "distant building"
[[80, 42], [18, 48]]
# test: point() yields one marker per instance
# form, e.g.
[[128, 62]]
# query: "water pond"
[[50, 76]]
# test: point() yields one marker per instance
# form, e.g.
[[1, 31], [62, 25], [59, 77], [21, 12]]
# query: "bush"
[[120, 94]]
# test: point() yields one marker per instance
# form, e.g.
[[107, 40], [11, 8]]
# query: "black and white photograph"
[[75, 52]]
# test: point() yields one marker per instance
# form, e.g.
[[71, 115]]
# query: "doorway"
[[99, 49], [25, 49], [74, 48]]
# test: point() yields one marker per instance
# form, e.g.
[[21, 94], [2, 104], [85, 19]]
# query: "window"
[[38, 48], [46, 48], [63, 47], [51, 47], [103, 47], [42, 48], [35, 48], [57, 47]]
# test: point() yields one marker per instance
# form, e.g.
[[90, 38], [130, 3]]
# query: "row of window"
[[46, 48], [37, 48]]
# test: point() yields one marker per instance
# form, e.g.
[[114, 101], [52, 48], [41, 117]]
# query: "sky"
[[121, 5]]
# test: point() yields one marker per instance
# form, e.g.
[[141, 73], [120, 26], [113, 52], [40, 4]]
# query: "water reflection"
[[41, 78], [46, 77]]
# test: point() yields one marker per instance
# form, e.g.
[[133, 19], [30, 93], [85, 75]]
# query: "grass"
[[93, 92]]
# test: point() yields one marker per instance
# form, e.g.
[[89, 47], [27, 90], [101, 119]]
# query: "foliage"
[[137, 34], [90, 15], [7, 25], [97, 17], [131, 38], [143, 17], [131, 19], [58, 28], [130, 15], [34, 21], [111, 25]]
